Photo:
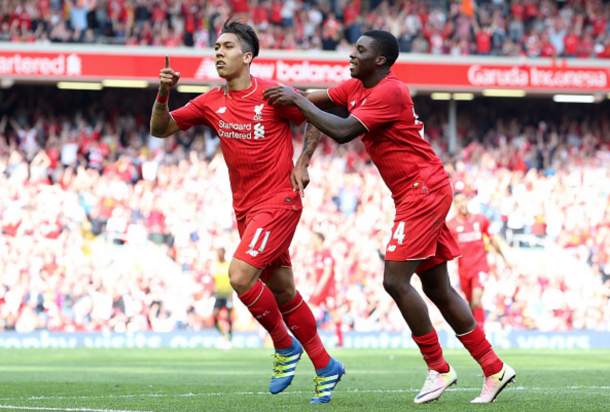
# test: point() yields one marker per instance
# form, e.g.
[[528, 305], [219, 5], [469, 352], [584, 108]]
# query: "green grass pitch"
[[138, 380]]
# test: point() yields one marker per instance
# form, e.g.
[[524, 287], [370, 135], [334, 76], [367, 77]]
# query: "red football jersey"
[[469, 235], [321, 260], [256, 142], [395, 137]]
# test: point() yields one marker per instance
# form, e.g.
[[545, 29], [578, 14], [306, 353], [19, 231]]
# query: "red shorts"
[[265, 239], [329, 300], [470, 281], [420, 231]]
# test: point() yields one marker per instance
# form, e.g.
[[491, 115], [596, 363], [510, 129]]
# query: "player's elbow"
[[345, 135], [339, 134], [156, 132]]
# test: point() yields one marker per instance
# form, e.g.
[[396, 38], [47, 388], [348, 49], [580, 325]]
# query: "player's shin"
[[301, 322], [480, 349], [262, 305]]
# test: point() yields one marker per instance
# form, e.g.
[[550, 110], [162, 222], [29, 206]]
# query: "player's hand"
[[281, 95], [167, 78], [299, 177]]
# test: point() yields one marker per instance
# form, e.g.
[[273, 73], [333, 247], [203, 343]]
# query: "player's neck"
[[464, 217], [241, 82], [374, 79]]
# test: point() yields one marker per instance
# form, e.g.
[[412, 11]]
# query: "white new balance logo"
[[391, 248], [353, 102], [221, 110]]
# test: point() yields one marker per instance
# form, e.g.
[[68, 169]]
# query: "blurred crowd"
[[86, 175], [534, 28]]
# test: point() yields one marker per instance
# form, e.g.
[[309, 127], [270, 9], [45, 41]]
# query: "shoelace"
[[430, 380], [318, 381], [279, 364]]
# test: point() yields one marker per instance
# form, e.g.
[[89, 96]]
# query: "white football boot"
[[435, 385], [494, 384]]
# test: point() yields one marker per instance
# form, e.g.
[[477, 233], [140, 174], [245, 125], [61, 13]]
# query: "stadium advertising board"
[[516, 339], [310, 70]]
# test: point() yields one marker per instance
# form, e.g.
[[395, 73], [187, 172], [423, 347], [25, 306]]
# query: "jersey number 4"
[[399, 233]]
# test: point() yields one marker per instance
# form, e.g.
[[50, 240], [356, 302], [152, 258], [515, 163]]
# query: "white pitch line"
[[35, 408], [412, 390]]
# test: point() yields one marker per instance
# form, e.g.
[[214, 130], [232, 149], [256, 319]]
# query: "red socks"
[[302, 324], [479, 316], [262, 305], [339, 333], [480, 349], [432, 351]]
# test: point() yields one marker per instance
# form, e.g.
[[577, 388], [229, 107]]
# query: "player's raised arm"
[[161, 123], [339, 129], [299, 177]]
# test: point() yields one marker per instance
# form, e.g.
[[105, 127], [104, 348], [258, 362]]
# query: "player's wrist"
[[162, 95], [163, 91], [303, 160]]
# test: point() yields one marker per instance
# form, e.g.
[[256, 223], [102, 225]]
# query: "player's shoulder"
[[213, 93], [351, 84], [391, 86]]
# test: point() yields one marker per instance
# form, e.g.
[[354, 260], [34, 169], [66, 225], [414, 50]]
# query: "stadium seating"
[[87, 172], [533, 28]]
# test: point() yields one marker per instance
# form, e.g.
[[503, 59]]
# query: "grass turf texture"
[[238, 380]]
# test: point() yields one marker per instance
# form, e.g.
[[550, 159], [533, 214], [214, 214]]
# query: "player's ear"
[[380, 61], [248, 57]]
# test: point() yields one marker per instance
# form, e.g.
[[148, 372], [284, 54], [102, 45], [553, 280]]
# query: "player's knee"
[[240, 281], [284, 296], [394, 286]]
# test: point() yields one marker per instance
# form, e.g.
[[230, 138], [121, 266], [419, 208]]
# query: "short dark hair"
[[246, 35], [386, 44], [320, 236]]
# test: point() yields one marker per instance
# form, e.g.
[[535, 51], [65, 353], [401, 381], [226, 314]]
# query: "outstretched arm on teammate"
[[339, 129], [162, 123], [299, 177]]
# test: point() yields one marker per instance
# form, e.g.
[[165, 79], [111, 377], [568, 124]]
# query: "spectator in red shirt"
[[571, 44], [585, 46], [531, 10], [548, 50], [518, 10], [483, 37], [532, 44]]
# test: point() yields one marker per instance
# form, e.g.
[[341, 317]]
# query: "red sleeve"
[[191, 114], [485, 226], [383, 105], [340, 94]]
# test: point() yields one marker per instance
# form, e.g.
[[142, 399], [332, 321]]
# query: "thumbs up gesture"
[[167, 78]]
